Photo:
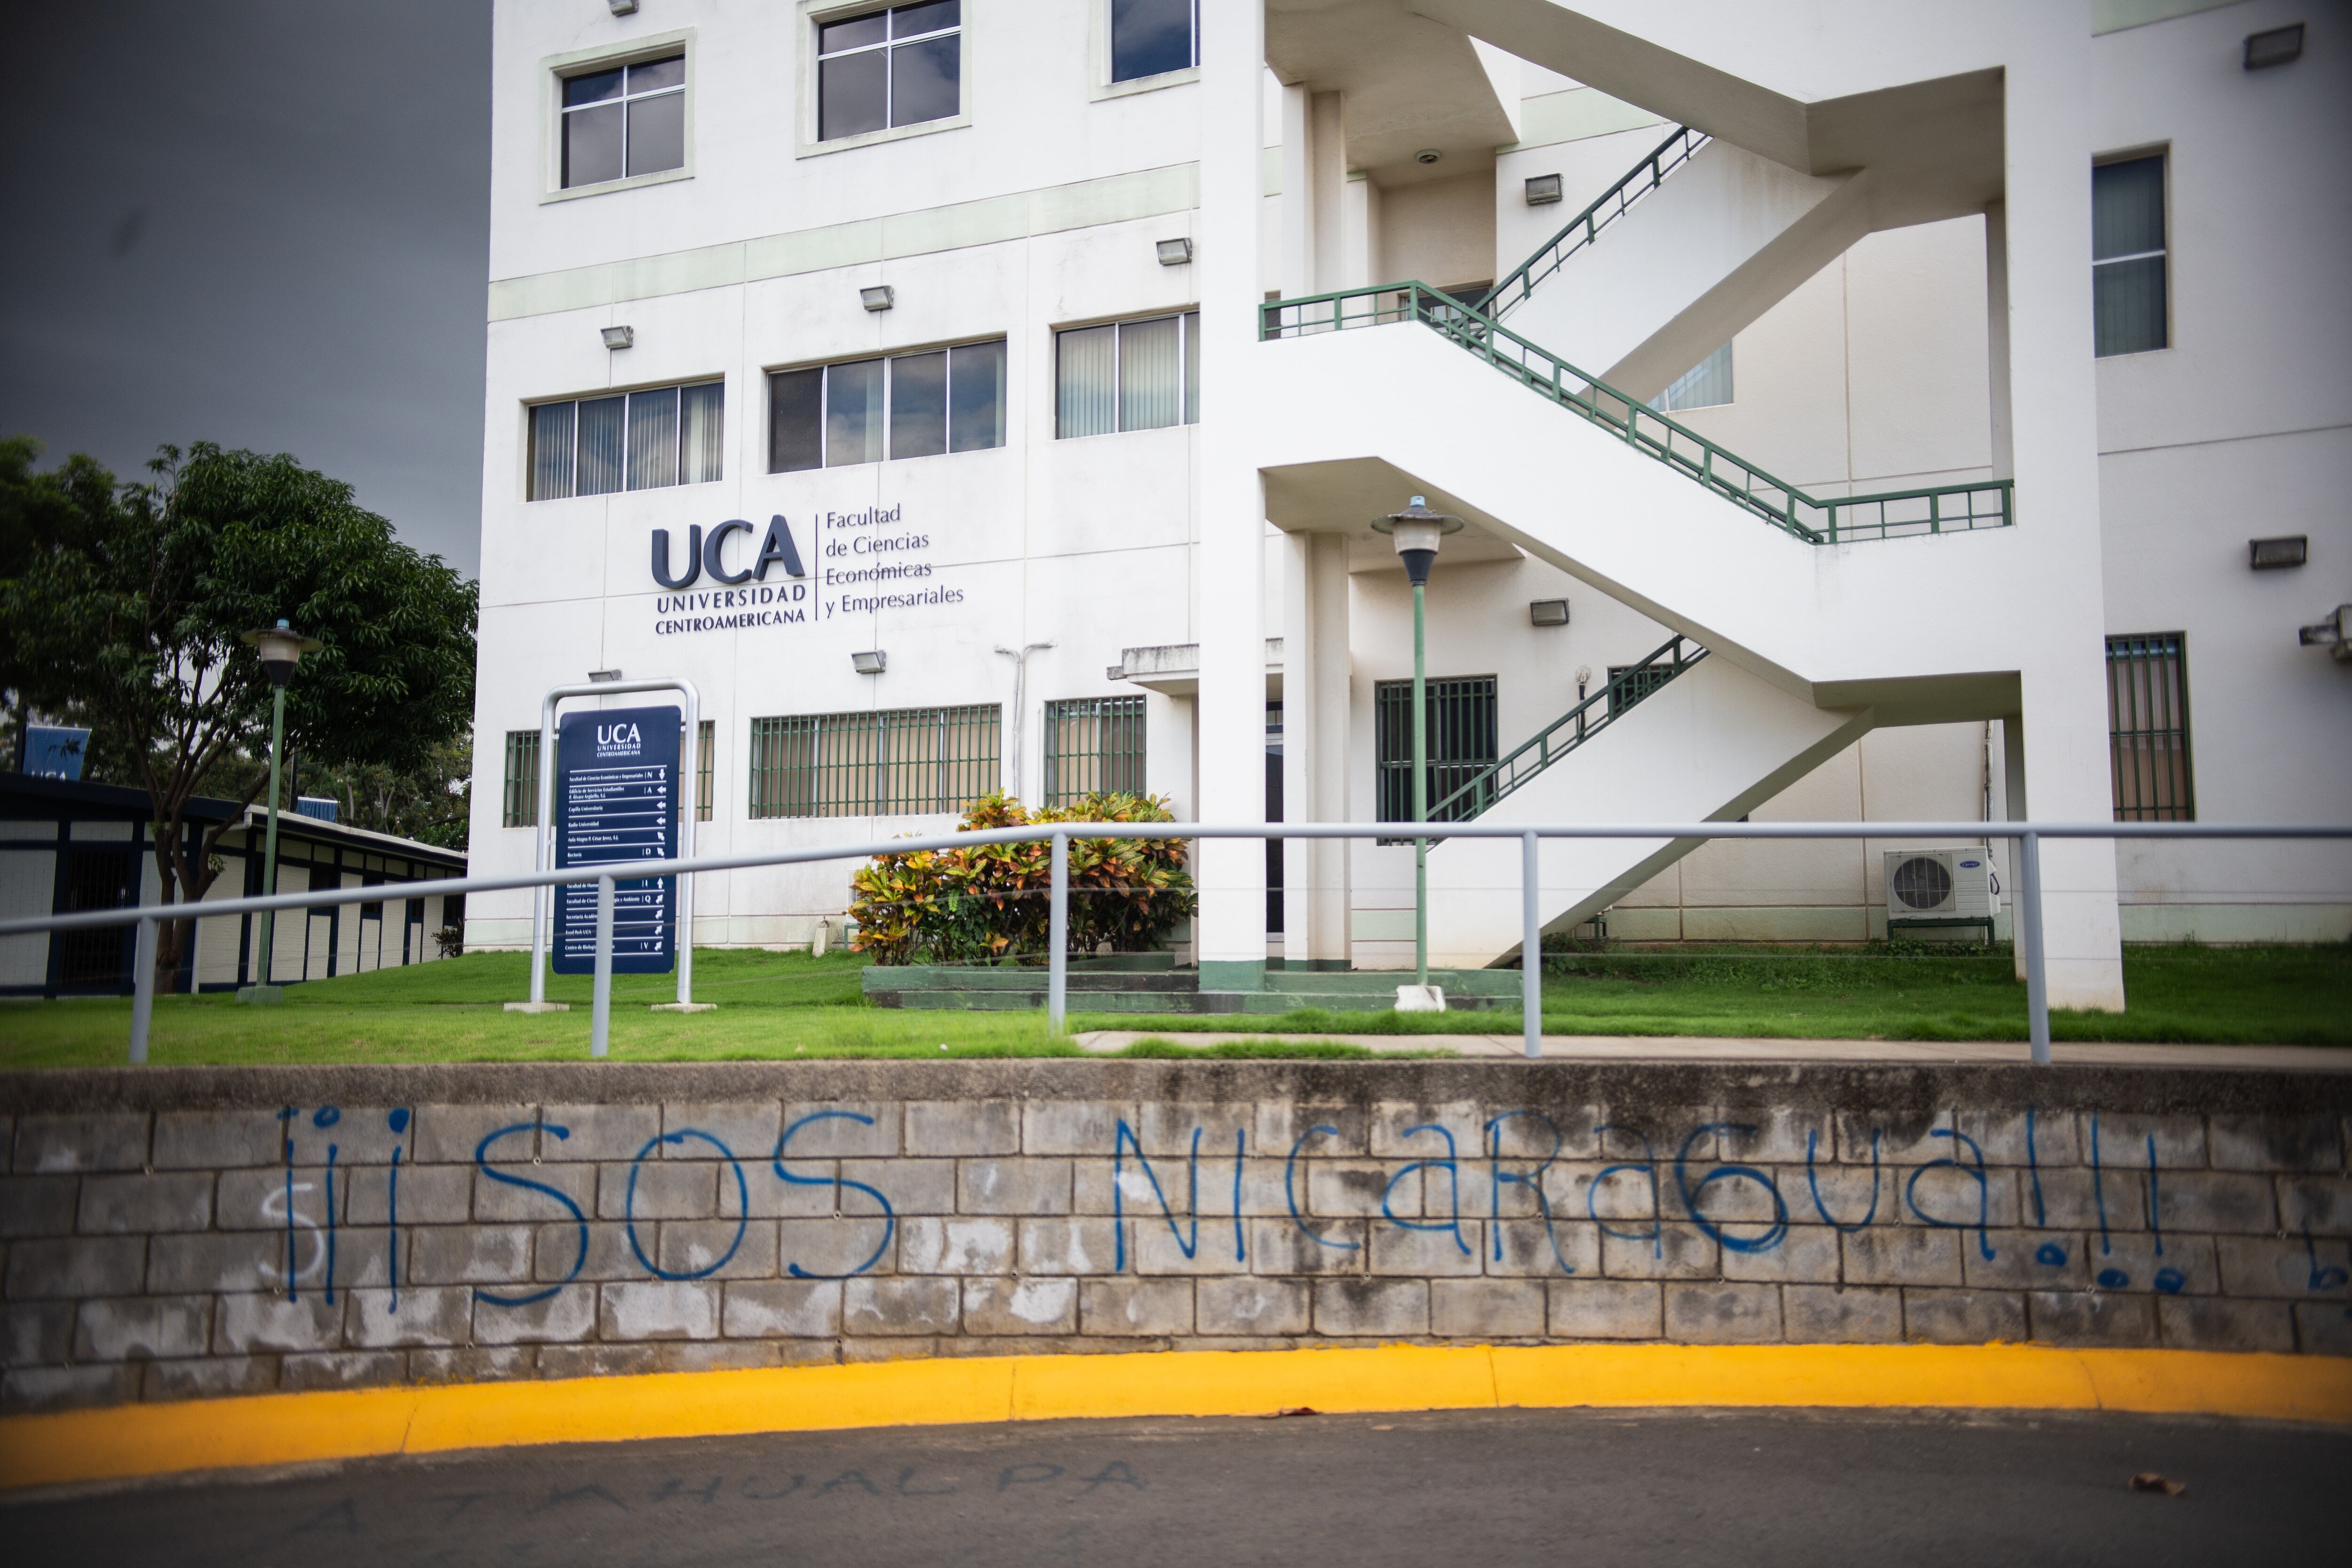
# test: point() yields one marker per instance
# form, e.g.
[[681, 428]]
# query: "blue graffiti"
[[2112, 1279], [1813, 1182], [742, 1205], [398, 1123], [2034, 1170], [1290, 1190], [1122, 1140], [2171, 1280], [287, 1116], [1240, 1148], [1452, 1168], [888, 1216], [2322, 1278], [1690, 1192], [331, 1223], [578, 1220], [1984, 1195], [2155, 1226], [1656, 1235], [2050, 1255], [1532, 1181], [325, 1116]]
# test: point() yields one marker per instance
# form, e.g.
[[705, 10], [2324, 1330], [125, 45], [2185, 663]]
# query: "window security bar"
[[2026, 835]]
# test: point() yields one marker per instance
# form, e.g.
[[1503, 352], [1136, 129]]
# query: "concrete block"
[[2216, 1201], [2249, 1266], [82, 1266], [1135, 1308], [895, 1308], [217, 1140], [2322, 1328], [342, 1369], [662, 1189], [347, 1135], [1902, 1255], [1963, 1317], [596, 1134], [37, 1205], [2319, 1203], [1140, 1185], [215, 1377], [1311, 1131], [1766, 1134], [2295, 1143], [449, 1134], [1063, 1247], [599, 1361], [931, 1245], [1605, 1310], [116, 1205], [632, 1309], [1902, 1138], [772, 1309], [1805, 1255], [815, 1191], [1486, 1309], [33, 1390], [1676, 1252], [261, 1199], [471, 1363], [1699, 1314], [1026, 1306], [912, 1186], [743, 1130], [1371, 1308], [2123, 1140], [1949, 1196], [844, 1130], [1248, 1308], [426, 1194], [2078, 1199], [1528, 1137], [1841, 1315], [1656, 1134], [497, 1200], [727, 1356], [216, 1261], [424, 1317], [2217, 1324], [1016, 1186], [946, 1127], [1458, 1249], [246, 1324], [715, 1248], [1326, 1246], [2003, 1136], [469, 1255], [1360, 1189], [1072, 1126], [2027, 1260], [34, 1333], [2186, 1265], [1838, 1194], [1624, 1198], [907, 1347], [1727, 1196], [1531, 1247], [1216, 1245], [568, 1315], [1462, 1119], [833, 1248], [100, 1141], [2091, 1317], [142, 1327], [1167, 1128]]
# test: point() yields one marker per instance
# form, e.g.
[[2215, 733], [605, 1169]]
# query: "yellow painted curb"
[[290, 1428]]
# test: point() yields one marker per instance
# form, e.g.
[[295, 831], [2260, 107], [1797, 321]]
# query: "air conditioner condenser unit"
[[1941, 887]]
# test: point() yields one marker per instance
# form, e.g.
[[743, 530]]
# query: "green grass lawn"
[[789, 1005]]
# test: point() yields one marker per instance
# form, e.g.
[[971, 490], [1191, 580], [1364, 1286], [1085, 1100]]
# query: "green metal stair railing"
[[1585, 227], [1834, 520], [1572, 728]]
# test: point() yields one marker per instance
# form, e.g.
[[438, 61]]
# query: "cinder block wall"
[[172, 1234]]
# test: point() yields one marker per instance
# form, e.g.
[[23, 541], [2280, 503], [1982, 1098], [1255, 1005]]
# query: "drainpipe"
[[1020, 702]]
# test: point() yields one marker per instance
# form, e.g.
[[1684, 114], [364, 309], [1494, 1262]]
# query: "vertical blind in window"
[[898, 67], [1127, 376], [1149, 38], [2148, 728], [911, 759], [908, 406], [2128, 256], [630, 119], [1707, 384], [638, 441], [1093, 745], [519, 807], [1460, 734], [704, 741]]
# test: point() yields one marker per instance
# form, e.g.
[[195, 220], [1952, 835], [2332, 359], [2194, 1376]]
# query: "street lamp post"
[[1416, 531], [281, 648]]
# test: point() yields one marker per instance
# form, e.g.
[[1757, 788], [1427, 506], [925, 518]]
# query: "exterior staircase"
[[1149, 982]]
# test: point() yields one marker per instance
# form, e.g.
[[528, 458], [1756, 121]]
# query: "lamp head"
[[1416, 531], [281, 647]]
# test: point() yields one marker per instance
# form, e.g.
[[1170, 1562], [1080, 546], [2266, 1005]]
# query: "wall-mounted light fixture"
[[1427, 155], [622, 7], [2270, 554], [1548, 613], [2278, 47], [2334, 634], [1175, 252], [1543, 190], [602, 676], [880, 297], [620, 337], [869, 663]]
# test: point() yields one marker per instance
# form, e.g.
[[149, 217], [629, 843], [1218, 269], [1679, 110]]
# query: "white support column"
[[1322, 736], [1299, 709], [2004, 458], [1326, 191], [2054, 437], [1298, 235], [1232, 519]]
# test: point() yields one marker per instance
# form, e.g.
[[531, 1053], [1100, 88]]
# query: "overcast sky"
[[262, 222]]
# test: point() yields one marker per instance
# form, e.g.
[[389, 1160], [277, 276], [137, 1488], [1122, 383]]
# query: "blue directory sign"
[[617, 800]]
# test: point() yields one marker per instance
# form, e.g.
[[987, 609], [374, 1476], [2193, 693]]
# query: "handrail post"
[[1531, 945], [1057, 938], [600, 1016], [142, 990], [2037, 979]]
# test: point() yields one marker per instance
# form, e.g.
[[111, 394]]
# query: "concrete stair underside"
[[1129, 988]]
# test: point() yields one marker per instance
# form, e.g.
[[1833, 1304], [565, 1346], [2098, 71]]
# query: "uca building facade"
[[1915, 414]]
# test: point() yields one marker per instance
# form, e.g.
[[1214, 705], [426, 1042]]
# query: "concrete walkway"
[[1708, 1048]]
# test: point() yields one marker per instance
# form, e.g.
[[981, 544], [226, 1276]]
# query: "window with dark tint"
[[627, 120], [1460, 736], [1148, 37], [2148, 726], [638, 441], [899, 66], [908, 406], [2128, 256]]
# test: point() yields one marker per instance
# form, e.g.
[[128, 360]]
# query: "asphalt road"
[[1488, 1487]]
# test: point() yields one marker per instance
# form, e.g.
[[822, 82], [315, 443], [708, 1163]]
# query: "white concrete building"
[[974, 297]]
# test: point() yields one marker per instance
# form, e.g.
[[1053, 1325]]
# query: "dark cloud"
[[262, 223]]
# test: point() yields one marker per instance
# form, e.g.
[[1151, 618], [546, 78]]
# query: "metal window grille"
[[1462, 742], [704, 741], [2148, 728], [899, 763], [1629, 683], [1093, 744], [521, 802]]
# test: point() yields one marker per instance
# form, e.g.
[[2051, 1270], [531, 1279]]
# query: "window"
[[629, 120], [2148, 728], [1093, 745], [1707, 384], [1151, 38], [705, 741], [908, 406], [873, 764], [899, 66], [520, 807], [1127, 376], [1629, 683], [1461, 739], [2127, 289], [630, 441]]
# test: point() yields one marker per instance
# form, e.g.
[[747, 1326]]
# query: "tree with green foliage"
[[122, 605]]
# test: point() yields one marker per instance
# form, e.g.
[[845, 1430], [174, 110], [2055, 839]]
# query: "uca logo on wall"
[[744, 599], [706, 552]]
